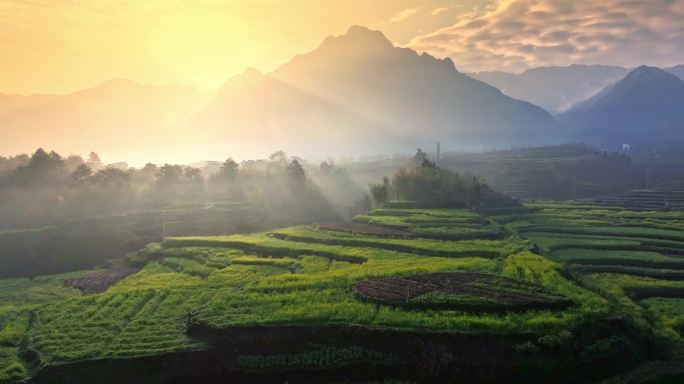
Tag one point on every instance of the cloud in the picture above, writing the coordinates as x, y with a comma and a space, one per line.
439, 10
517, 34
405, 14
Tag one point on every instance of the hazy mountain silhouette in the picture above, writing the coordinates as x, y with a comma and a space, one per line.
354, 94
644, 108
677, 70
554, 88
10, 103
115, 116
357, 93
255, 111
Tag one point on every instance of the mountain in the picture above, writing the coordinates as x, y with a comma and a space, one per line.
117, 117
10, 103
357, 93
677, 70
644, 108
554, 88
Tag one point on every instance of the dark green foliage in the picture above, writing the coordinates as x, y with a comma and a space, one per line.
380, 192
426, 182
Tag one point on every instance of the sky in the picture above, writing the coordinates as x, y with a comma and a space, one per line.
59, 46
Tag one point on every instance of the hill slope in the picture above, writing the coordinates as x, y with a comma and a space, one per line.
645, 108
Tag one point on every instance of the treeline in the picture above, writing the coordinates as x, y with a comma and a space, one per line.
60, 214
46, 188
423, 182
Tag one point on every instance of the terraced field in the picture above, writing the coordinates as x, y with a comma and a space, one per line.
636, 257
330, 297
438, 224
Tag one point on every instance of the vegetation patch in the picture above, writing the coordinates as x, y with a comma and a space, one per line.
363, 229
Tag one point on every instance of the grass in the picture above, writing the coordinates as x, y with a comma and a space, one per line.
668, 310
446, 224
610, 257
431, 247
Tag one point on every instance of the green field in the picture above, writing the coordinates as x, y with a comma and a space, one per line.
603, 266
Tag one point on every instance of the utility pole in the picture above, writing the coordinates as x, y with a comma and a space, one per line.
163, 216
438, 155
574, 188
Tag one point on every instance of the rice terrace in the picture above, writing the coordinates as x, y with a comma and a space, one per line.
588, 284
341, 192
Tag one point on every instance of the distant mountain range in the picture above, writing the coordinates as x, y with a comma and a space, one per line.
554, 88
117, 116
557, 89
677, 70
644, 108
355, 94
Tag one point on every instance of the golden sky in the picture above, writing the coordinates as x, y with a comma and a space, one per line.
59, 46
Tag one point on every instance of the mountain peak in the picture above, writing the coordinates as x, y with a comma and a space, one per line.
360, 37
251, 72
643, 75
643, 107
644, 70
360, 30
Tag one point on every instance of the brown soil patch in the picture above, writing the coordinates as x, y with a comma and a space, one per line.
460, 290
97, 282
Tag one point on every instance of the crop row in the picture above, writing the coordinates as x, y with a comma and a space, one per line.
430, 247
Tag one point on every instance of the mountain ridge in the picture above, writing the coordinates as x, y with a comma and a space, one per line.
554, 88
647, 97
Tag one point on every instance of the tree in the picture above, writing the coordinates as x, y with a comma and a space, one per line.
110, 177
169, 175
327, 167
229, 169
296, 172
73, 161
196, 182
148, 174
429, 183
94, 161
420, 157
193, 174
81, 174
278, 159
42, 168
380, 192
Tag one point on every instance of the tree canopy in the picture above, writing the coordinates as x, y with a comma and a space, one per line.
424, 181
